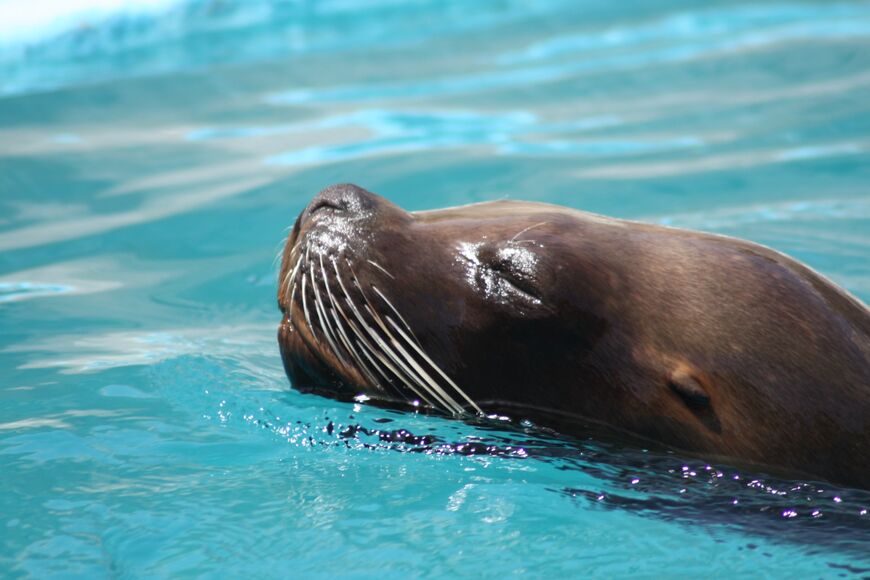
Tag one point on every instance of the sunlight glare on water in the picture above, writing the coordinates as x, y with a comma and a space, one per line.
152, 157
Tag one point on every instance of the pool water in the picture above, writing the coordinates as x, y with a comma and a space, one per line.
152, 159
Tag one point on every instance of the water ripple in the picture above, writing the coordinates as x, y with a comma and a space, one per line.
14, 291
711, 29
723, 161
145, 413
509, 133
786, 211
645, 44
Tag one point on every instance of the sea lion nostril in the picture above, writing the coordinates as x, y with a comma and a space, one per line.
327, 204
343, 197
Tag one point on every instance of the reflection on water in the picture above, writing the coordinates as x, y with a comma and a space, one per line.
153, 157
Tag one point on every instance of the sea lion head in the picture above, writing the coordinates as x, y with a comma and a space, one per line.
463, 309
700, 342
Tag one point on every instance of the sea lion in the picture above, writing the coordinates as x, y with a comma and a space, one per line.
702, 342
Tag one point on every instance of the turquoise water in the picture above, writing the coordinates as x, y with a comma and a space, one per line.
151, 160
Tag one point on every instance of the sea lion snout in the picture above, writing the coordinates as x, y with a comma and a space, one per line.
339, 218
344, 218
343, 201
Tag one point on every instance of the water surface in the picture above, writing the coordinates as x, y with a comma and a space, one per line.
151, 160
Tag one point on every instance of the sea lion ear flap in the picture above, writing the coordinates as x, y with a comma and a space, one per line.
689, 388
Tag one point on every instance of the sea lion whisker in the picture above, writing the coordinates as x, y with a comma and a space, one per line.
290, 303
284, 282
521, 232
364, 348
329, 322
381, 268
338, 307
433, 365
347, 297
383, 345
367, 346
291, 274
326, 284
297, 268
398, 374
403, 389
421, 375
405, 375
281, 249
393, 308
305, 306
408, 377
449, 401
377, 368
324, 319
348, 345
280, 253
